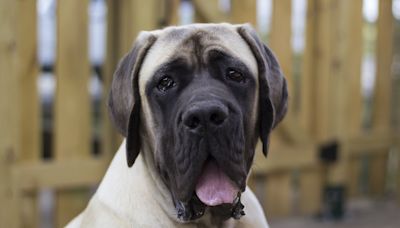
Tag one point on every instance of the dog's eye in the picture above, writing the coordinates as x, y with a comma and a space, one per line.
235, 75
165, 83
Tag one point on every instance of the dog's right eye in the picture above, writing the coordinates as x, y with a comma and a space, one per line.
165, 83
235, 75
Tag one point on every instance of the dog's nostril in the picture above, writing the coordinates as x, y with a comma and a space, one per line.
217, 118
193, 122
204, 116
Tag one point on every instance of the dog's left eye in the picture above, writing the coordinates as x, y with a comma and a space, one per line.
165, 83
235, 75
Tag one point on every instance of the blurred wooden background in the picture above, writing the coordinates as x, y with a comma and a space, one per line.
327, 108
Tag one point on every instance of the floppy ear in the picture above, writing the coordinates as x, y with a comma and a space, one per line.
273, 94
124, 100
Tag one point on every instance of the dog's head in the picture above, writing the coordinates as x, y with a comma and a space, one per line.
201, 95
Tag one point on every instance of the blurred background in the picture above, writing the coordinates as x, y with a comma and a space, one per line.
333, 162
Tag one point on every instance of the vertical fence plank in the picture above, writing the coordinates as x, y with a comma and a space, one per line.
322, 77
244, 11
72, 104
134, 16
310, 192
377, 174
319, 70
109, 138
382, 94
28, 71
280, 39
398, 171
278, 194
29, 117
355, 167
306, 107
381, 119
318, 80
346, 74
145, 16
8, 112
349, 99
172, 8
175, 19
124, 30
334, 75
332, 59
351, 56
207, 11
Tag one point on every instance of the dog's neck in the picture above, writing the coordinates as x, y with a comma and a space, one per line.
120, 182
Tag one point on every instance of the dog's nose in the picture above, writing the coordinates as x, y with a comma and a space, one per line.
205, 115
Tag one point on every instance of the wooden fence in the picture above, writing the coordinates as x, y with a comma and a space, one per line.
291, 181
330, 107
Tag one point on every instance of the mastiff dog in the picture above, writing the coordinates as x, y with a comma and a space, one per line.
192, 102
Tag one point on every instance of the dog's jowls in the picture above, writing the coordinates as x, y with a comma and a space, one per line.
193, 101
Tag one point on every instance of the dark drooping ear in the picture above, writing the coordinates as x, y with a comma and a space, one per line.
272, 85
124, 100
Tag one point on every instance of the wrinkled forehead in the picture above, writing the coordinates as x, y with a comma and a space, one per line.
194, 42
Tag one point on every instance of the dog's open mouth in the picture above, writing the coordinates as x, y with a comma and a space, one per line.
214, 187
217, 192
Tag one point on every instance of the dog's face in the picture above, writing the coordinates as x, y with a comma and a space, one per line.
201, 95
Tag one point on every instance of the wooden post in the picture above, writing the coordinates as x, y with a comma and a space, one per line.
330, 80
72, 103
333, 59
124, 29
397, 146
321, 63
145, 16
354, 176
384, 56
134, 17
9, 145
318, 82
346, 22
28, 71
377, 174
176, 19
280, 39
381, 119
306, 107
348, 102
278, 195
350, 105
310, 190
346, 95
323, 78
29, 117
244, 11
109, 136
172, 8
207, 11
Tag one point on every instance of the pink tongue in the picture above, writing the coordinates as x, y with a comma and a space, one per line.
214, 187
